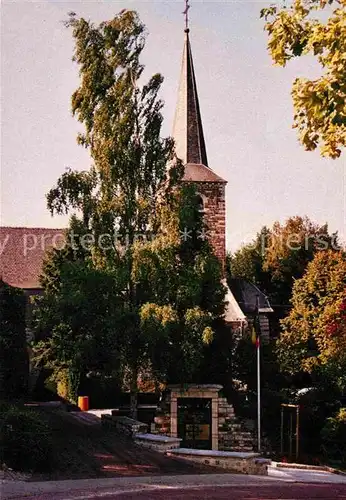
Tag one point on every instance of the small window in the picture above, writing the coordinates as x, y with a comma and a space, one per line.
200, 203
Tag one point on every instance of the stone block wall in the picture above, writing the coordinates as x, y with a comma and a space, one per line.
162, 424
124, 425
227, 432
213, 194
232, 437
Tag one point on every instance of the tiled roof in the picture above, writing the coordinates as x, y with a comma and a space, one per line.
22, 250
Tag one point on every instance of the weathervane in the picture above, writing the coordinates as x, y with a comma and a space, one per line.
186, 14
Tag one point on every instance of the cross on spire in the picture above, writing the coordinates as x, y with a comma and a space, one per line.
186, 14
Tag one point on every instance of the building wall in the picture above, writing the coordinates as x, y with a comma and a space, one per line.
213, 194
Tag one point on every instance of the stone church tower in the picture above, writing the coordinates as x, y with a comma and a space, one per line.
191, 149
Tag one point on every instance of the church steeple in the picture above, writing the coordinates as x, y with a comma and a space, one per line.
188, 129
190, 148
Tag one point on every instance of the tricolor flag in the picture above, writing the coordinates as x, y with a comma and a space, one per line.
255, 336
256, 330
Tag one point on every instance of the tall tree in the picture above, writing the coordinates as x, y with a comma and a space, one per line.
122, 121
77, 323
314, 335
291, 246
179, 282
138, 229
247, 262
316, 28
279, 255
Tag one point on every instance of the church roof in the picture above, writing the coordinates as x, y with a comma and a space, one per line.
22, 251
233, 313
188, 129
200, 173
246, 294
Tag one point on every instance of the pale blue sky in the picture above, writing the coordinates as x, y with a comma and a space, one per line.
245, 103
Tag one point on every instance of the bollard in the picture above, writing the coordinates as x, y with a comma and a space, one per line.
83, 403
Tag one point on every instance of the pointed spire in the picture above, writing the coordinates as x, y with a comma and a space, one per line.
188, 129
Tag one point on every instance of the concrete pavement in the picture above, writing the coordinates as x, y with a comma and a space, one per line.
306, 475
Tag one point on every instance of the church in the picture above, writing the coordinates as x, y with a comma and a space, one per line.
22, 249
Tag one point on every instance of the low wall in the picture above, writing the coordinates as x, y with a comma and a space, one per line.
156, 442
245, 463
125, 425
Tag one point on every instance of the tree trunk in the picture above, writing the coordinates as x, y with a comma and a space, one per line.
134, 394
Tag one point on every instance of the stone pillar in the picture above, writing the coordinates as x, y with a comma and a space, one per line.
174, 416
215, 423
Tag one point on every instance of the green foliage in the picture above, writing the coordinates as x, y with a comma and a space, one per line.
248, 262
179, 282
316, 406
273, 386
279, 255
334, 437
26, 443
14, 363
122, 120
316, 28
314, 336
76, 324
137, 295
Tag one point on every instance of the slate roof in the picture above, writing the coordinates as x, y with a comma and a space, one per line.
233, 313
188, 129
22, 251
200, 173
246, 293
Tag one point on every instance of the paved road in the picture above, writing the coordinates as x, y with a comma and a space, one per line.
288, 492
199, 487
265, 492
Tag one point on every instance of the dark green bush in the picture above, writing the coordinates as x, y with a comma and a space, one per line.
25, 440
14, 361
334, 437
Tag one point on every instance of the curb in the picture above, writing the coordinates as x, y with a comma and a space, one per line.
322, 468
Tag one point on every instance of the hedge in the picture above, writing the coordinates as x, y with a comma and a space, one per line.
25, 440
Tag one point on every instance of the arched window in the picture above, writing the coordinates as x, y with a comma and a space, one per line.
200, 203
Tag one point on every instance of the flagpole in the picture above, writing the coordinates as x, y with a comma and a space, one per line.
258, 346
259, 395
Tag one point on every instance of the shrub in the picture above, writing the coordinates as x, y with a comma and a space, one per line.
14, 361
26, 443
334, 437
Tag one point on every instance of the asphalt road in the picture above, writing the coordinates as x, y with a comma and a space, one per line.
288, 484
288, 492
275, 491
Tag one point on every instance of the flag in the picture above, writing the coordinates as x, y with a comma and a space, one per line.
255, 338
253, 335
256, 329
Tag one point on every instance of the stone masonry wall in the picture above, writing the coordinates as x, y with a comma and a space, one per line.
231, 435
213, 194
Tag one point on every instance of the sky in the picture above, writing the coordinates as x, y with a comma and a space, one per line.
245, 103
